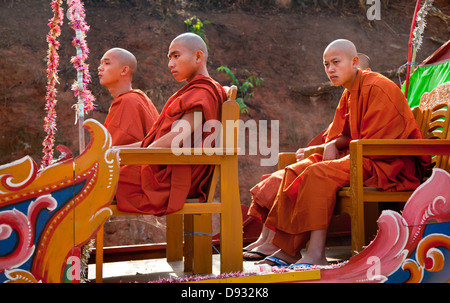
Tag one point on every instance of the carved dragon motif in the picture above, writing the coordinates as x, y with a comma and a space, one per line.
45, 214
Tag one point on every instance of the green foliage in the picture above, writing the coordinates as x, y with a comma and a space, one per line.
195, 25
245, 89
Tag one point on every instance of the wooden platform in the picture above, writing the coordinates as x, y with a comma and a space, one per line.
143, 271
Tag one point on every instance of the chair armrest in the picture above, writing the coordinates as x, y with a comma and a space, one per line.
286, 158
400, 147
211, 156
388, 147
313, 150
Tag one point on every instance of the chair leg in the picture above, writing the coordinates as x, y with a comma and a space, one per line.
371, 215
99, 256
188, 243
174, 237
357, 228
202, 244
198, 243
231, 220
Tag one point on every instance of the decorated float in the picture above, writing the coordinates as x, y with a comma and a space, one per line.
49, 215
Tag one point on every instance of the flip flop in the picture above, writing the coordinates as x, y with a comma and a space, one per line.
260, 254
278, 262
300, 265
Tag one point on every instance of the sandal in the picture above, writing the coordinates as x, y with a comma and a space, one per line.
278, 262
300, 265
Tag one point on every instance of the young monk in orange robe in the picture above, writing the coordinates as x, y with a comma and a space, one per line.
262, 246
131, 114
300, 209
163, 189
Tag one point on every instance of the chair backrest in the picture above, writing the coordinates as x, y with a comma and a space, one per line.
433, 117
230, 112
229, 120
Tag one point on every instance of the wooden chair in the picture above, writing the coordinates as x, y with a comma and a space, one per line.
198, 216
433, 118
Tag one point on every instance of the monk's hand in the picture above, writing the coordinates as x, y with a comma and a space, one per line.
300, 154
308, 151
330, 151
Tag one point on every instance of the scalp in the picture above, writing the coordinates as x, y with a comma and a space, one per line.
193, 42
125, 57
343, 46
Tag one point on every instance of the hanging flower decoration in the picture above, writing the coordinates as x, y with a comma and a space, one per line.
77, 17
52, 78
421, 24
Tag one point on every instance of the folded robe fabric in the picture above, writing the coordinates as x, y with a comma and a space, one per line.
162, 189
130, 117
301, 198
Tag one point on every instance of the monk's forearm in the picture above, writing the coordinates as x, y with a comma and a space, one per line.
131, 145
164, 141
342, 142
331, 148
181, 131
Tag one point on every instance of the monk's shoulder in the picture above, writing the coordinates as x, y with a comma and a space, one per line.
198, 94
383, 92
372, 80
134, 101
134, 97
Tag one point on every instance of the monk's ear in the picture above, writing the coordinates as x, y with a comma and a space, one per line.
125, 70
199, 56
355, 61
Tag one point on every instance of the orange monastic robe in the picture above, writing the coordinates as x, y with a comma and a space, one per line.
301, 198
163, 189
130, 117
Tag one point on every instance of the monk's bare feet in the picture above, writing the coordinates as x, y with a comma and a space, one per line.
315, 254
282, 255
255, 244
265, 236
262, 246
313, 259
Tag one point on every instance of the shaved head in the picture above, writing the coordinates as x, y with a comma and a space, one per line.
125, 58
116, 70
188, 55
343, 46
341, 62
192, 42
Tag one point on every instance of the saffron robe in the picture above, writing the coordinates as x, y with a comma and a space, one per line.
301, 197
162, 189
130, 117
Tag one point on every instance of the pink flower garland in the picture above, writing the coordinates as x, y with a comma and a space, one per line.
77, 16
52, 78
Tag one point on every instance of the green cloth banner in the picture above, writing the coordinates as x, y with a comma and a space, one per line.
425, 79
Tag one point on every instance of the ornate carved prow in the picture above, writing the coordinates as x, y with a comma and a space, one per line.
54, 210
